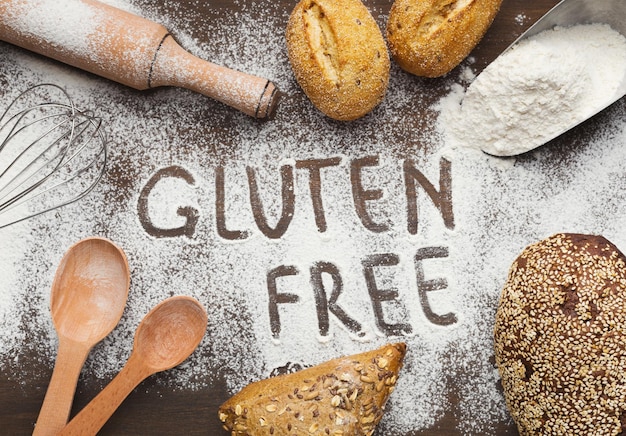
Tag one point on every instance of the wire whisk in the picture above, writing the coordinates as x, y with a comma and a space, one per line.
51, 153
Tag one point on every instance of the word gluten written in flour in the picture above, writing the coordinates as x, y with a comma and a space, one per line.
326, 281
414, 181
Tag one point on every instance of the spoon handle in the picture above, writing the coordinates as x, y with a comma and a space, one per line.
95, 414
57, 403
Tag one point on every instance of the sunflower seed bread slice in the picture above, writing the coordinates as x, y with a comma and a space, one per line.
344, 396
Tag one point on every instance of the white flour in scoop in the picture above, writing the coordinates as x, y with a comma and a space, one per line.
499, 208
540, 87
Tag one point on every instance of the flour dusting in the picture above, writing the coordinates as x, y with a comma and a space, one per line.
415, 231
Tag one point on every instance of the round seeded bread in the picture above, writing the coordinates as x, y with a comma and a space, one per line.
344, 396
339, 56
560, 337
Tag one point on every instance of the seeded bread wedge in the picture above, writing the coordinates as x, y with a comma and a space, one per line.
344, 396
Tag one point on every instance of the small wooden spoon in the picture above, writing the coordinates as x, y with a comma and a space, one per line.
88, 297
166, 336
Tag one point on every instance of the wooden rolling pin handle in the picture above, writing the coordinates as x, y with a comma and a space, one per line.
131, 50
174, 66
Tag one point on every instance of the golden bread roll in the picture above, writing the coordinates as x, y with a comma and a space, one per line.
560, 337
339, 56
431, 37
344, 396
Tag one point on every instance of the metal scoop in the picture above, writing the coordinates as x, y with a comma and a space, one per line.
568, 13
571, 12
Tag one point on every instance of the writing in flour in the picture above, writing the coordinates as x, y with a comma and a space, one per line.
326, 283
326, 303
362, 196
493, 221
541, 87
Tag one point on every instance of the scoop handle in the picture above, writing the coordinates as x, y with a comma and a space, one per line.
57, 403
94, 415
127, 49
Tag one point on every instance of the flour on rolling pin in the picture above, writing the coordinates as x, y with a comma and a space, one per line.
128, 49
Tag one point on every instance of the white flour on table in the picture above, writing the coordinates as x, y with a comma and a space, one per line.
500, 206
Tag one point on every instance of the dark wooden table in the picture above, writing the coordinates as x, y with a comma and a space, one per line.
151, 409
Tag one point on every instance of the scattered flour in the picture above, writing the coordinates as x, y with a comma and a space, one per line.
521, 18
542, 86
582, 191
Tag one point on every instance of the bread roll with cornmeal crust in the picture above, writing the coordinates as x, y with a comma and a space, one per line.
431, 37
560, 337
339, 56
344, 396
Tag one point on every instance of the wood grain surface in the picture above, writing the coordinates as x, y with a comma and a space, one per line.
152, 409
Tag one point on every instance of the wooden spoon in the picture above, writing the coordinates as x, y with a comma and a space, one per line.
166, 336
88, 297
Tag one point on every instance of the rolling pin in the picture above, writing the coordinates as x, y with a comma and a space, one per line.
127, 49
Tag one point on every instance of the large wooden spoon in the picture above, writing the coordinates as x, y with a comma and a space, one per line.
166, 336
88, 297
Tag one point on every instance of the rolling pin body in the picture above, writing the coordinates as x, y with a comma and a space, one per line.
127, 49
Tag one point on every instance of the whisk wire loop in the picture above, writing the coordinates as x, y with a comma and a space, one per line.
51, 154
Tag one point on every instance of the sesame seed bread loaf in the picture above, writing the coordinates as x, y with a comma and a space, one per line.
339, 56
344, 396
431, 37
560, 337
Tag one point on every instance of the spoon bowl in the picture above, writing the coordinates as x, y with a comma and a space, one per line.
170, 332
90, 290
166, 336
88, 297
